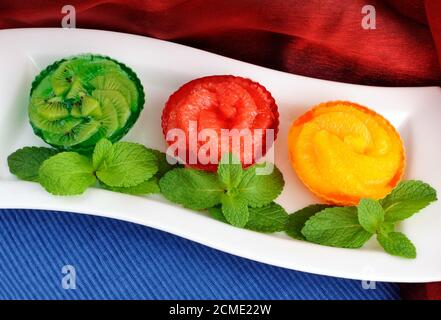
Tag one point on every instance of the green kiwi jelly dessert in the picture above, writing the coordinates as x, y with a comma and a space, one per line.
77, 101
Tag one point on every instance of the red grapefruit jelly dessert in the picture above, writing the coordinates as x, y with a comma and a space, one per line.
217, 114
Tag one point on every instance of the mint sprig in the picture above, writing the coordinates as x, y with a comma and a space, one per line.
351, 227
267, 219
122, 167
235, 189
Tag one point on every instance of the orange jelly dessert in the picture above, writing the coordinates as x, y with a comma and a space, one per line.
344, 152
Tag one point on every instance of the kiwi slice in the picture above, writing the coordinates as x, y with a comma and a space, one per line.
96, 68
90, 107
51, 108
59, 126
116, 101
79, 100
114, 81
76, 112
77, 134
63, 77
109, 119
76, 89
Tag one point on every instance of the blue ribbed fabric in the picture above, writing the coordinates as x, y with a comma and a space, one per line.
120, 260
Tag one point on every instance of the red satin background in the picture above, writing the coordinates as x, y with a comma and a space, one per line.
316, 38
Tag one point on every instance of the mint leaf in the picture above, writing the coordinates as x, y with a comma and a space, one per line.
386, 227
270, 218
235, 210
260, 190
406, 199
192, 188
101, 152
297, 220
25, 162
230, 170
145, 187
370, 215
67, 173
336, 227
216, 212
163, 165
397, 244
126, 165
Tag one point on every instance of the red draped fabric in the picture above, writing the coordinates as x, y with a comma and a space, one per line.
316, 38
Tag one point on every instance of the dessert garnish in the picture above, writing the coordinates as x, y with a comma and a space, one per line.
125, 167
353, 226
238, 192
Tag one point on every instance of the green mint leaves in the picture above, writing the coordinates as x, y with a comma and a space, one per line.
235, 210
230, 170
268, 219
194, 189
336, 227
25, 162
124, 164
146, 187
67, 173
397, 244
240, 197
163, 165
297, 220
234, 189
351, 227
259, 190
370, 215
406, 199
100, 153
122, 167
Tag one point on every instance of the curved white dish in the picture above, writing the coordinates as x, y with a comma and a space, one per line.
162, 68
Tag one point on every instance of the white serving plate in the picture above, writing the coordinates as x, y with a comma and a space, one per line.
163, 67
